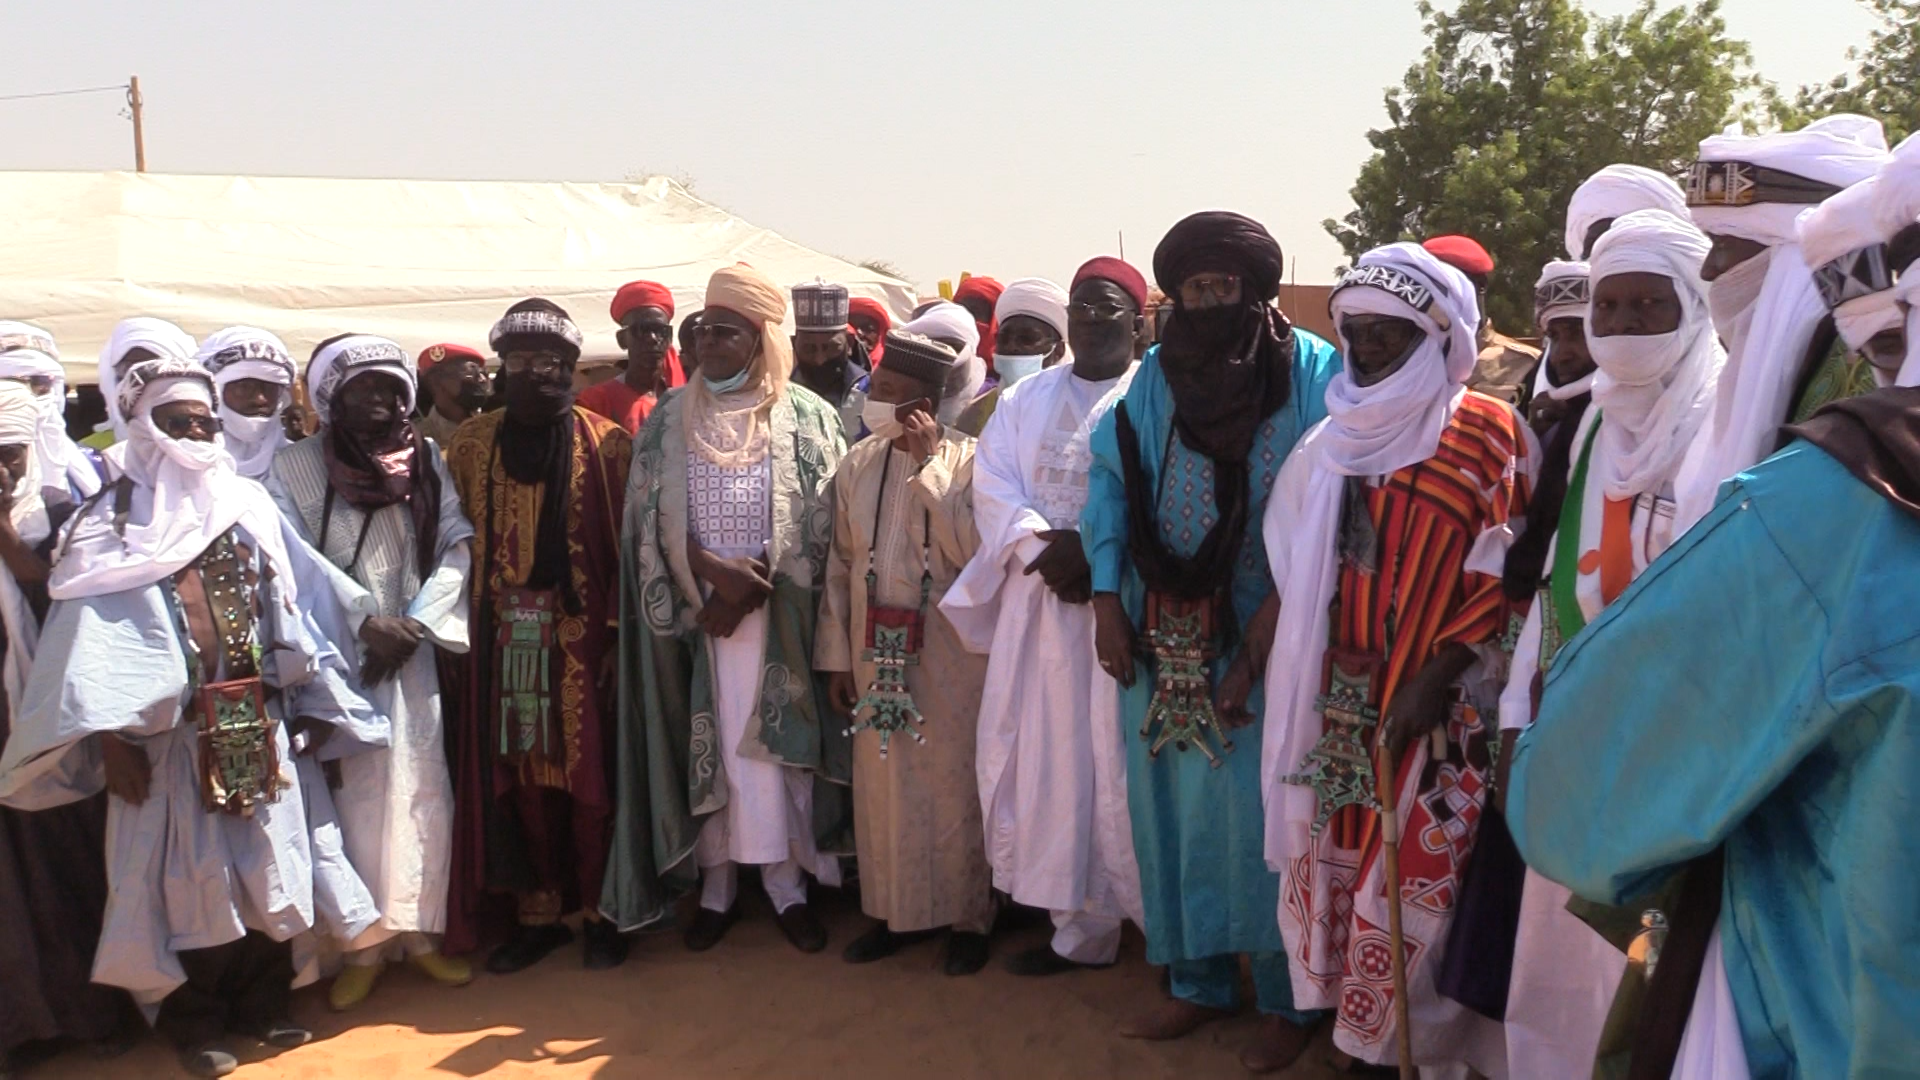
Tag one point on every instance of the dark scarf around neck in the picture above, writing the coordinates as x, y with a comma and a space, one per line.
531, 454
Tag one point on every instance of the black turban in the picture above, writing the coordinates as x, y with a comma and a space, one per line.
1223, 241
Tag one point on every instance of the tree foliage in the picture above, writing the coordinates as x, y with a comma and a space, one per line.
1885, 82
1515, 102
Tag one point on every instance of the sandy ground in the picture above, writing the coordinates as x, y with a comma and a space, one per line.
750, 1007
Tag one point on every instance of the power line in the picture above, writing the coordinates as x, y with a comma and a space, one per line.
65, 93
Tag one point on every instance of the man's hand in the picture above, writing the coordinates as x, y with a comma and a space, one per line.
317, 733
1230, 699
1423, 701
1063, 566
129, 773
1546, 412
720, 619
1113, 637
8, 482
741, 582
390, 642
842, 694
922, 435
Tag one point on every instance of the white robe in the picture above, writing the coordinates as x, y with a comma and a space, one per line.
180, 877
1050, 762
395, 806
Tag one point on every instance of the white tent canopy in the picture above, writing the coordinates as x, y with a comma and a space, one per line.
418, 261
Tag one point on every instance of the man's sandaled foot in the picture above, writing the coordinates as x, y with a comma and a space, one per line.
878, 943
1042, 960
281, 1034
708, 927
1276, 1044
1171, 1019
209, 1059
605, 947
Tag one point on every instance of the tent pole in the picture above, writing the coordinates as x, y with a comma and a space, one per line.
134, 104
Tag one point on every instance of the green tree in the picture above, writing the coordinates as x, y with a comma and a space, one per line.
1885, 82
1515, 102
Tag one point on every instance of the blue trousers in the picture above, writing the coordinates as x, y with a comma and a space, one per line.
1215, 983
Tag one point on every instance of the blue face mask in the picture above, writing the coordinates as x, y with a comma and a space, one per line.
728, 386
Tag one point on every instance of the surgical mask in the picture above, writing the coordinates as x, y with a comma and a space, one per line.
728, 385
1014, 368
880, 420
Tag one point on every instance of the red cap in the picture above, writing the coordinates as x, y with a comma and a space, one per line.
979, 286
872, 309
434, 354
1463, 253
1120, 272
636, 294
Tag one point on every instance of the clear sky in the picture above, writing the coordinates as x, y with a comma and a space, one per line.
1006, 137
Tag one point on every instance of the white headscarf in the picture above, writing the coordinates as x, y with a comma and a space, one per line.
244, 352
1768, 336
19, 335
158, 336
1561, 293
342, 361
20, 424
55, 454
1898, 205
189, 491
1369, 431
1615, 192
949, 321
1833, 236
1654, 390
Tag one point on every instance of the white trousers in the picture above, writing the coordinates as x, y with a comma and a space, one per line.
1086, 939
720, 885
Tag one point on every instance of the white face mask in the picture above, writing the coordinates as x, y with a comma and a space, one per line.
248, 430
879, 419
1014, 368
1731, 296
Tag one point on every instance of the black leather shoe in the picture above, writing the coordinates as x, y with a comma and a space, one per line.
1042, 960
208, 1059
606, 947
528, 946
708, 927
802, 928
878, 943
966, 953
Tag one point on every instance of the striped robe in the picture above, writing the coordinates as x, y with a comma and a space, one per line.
1441, 525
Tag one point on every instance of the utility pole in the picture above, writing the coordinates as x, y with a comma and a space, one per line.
134, 103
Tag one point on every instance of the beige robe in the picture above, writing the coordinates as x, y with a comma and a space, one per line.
923, 857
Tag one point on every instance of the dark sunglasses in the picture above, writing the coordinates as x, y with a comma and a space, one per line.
179, 427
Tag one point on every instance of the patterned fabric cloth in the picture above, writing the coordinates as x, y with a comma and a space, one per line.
505, 515
1841, 375
732, 513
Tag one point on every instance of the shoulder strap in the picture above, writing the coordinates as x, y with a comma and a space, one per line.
1566, 551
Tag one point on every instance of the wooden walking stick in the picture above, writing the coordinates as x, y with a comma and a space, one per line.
1385, 784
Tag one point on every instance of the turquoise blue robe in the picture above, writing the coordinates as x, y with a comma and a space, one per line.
1756, 687
1198, 831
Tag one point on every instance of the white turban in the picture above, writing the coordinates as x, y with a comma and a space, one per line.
949, 321
186, 495
1839, 150
1898, 205
1654, 391
1615, 192
1036, 298
56, 455
244, 352
1377, 429
1561, 293
19, 335
19, 415
157, 336
353, 356
1842, 241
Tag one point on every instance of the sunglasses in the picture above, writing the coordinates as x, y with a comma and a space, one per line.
179, 427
